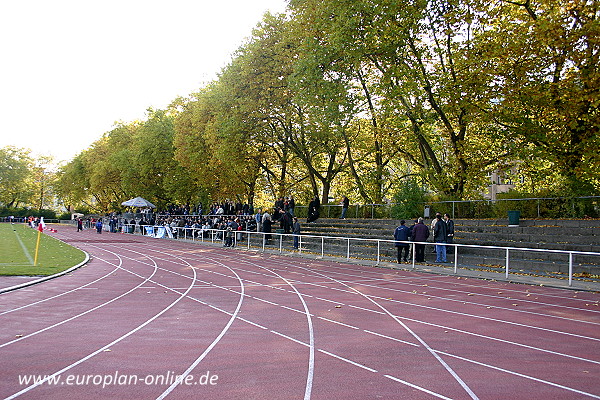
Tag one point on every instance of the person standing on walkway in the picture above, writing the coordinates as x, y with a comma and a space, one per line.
79, 224
296, 232
345, 204
450, 233
402, 235
420, 233
99, 225
440, 236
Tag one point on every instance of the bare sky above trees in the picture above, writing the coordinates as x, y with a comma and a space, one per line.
71, 68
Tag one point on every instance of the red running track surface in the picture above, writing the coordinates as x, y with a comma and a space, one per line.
239, 324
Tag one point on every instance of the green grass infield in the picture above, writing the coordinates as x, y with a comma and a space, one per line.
17, 252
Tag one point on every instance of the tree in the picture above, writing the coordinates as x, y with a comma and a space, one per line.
547, 79
410, 59
16, 177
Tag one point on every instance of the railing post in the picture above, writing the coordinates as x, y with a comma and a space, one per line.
322, 247
348, 249
507, 263
249, 234
280, 242
378, 247
570, 268
455, 259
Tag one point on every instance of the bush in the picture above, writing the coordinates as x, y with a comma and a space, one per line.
65, 216
408, 201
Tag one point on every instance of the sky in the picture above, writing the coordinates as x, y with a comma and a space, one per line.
70, 69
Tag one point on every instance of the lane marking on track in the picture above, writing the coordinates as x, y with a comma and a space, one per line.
446, 327
252, 323
290, 338
489, 305
449, 369
264, 301
100, 350
391, 338
521, 375
348, 361
59, 295
466, 359
466, 314
418, 387
462, 292
311, 355
73, 317
476, 334
338, 323
234, 315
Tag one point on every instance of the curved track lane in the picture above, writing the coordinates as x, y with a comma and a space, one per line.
165, 319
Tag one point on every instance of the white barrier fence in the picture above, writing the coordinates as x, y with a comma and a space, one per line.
383, 250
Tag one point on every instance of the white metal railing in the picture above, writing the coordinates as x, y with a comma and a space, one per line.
318, 244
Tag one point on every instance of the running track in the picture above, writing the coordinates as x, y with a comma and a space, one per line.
266, 326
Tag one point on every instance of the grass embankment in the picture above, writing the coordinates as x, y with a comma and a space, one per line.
17, 252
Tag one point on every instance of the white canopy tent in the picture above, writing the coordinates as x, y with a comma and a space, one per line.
138, 202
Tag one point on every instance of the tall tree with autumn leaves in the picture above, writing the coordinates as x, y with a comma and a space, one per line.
356, 95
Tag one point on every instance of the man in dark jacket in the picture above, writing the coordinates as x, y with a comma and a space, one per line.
420, 233
313, 209
296, 232
402, 234
450, 233
440, 236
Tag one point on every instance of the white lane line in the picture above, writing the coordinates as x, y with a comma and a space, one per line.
391, 338
401, 282
311, 356
521, 375
396, 379
61, 294
418, 387
348, 361
77, 315
252, 323
457, 300
448, 328
181, 377
501, 340
100, 350
465, 314
419, 339
338, 323
264, 301
365, 309
290, 338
